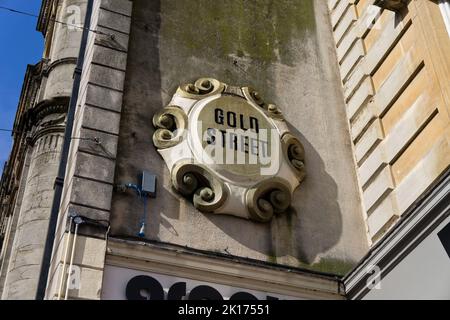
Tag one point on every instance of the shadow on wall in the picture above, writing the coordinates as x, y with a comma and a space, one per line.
320, 226
312, 225
140, 100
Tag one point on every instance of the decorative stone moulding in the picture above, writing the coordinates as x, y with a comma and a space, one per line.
48, 116
229, 151
393, 5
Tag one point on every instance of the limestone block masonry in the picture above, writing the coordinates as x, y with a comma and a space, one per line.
45, 118
90, 170
395, 73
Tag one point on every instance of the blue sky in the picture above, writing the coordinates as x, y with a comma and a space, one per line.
21, 44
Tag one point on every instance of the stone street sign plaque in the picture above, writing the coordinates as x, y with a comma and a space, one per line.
228, 151
231, 134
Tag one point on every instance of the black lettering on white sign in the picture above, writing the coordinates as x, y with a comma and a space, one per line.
148, 288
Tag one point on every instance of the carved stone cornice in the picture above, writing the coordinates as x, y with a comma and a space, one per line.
46, 107
51, 66
214, 267
47, 117
393, 5
44, 16
30, 89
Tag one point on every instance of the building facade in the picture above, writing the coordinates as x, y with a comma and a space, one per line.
107, 193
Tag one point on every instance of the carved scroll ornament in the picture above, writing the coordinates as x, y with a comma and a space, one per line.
207, 118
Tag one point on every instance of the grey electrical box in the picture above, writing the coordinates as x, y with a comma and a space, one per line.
148, 184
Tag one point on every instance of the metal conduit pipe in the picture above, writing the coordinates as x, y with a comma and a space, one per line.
66, 252
77, 221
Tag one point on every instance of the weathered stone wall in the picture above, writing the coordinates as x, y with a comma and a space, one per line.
45, 125
65, 45
31, 231
12, 222
395, 74
285, 50
91, 161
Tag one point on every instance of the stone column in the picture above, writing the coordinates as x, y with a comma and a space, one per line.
46, 124
26, 256
12, 221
